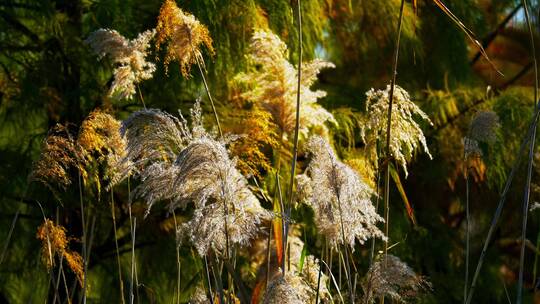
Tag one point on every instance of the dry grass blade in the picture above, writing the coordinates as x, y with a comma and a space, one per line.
470, 34
403, 194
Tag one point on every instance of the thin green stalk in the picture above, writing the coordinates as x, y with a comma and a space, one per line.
178, 264
530, 162
217, 282
268, 256
90, 241
85, 262
377, 200
65, 286
348, 274
535, 267
296, 126
283, 224
132, 226
51, 256
133, 257
141, 97
209, 96
225, 223
10, 233
117, 250
57, 282
319, 278
388, 128
13, 223
532, 126
467, 233
209, 284
506, 292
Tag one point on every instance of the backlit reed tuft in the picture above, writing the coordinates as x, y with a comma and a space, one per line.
54, 244
482, 129
205, 175
100, 138
390, 277
183, 35
298, 286
59, 155
272, 84
406, 134
183, 164
338, 196
128, 56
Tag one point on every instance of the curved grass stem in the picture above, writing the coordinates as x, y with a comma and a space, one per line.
116, 247
527, 190
532, 127
389, 128
296, 128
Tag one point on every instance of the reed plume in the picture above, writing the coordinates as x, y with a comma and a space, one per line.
54, 243
390, 277
298, 286
183, 34
154, 139
272, 84
206, 176
183, 164
482, 129
405, 135
100, 138
338, 196
60, 154
128, 56
199, 297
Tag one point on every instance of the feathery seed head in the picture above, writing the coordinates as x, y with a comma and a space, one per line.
184, 164
55, 243
59, 154
154, 136
273, 85
207, 177
338, 196
129, 57
298, 286
392, 278
484, 126
471, 147
100, 138
286, 290
199, 296
406, 134
184, 35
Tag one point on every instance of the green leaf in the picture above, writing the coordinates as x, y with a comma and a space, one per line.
302, 258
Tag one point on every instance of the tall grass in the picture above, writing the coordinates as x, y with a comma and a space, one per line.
192, 170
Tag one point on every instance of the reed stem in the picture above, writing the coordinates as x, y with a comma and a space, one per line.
389, 129
296, 128
527, 190
116, 247
85, 262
